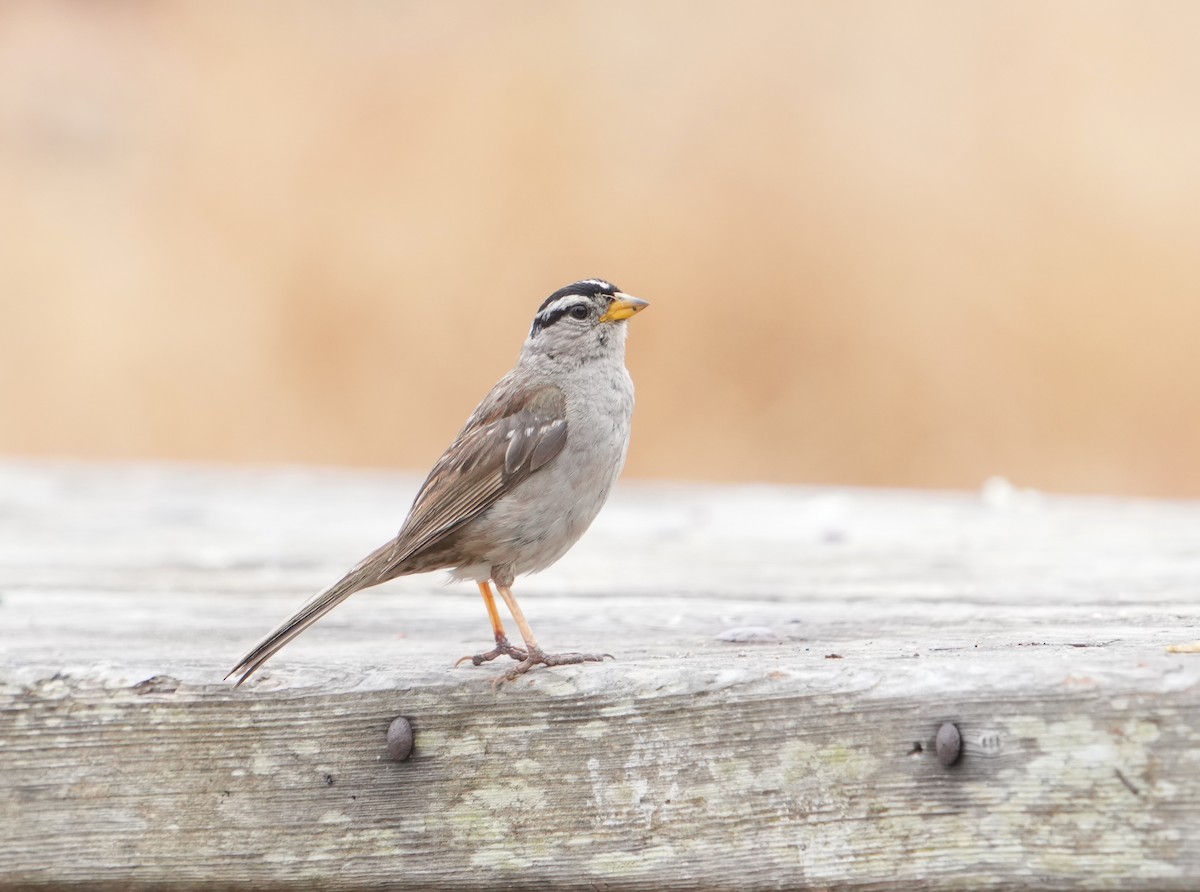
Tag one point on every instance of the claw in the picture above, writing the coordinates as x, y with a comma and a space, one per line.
502, 648
538, 657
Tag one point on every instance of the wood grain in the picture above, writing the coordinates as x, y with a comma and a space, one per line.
785, 659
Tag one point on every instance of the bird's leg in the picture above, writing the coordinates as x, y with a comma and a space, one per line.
537, 656
502, 645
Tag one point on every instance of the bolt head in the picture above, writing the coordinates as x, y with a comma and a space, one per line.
948, 744
400, 739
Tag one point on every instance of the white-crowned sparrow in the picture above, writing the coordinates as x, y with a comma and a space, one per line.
523, 479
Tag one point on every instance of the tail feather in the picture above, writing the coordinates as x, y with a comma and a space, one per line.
377, 567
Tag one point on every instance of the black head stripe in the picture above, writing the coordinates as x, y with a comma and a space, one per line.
555, 307
584, 288
552, 313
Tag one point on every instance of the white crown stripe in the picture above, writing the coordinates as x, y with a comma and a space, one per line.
562, 303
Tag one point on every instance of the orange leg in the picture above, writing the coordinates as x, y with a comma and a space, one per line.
502, 645
519, 615
537, 657
489, 600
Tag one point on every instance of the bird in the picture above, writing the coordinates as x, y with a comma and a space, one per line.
523, 480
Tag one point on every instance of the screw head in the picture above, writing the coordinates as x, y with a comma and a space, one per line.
948, 744
400, 739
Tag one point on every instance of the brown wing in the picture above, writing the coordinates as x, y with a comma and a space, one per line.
505, 441
510, 436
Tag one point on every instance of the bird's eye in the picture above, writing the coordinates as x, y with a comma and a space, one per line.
579, 311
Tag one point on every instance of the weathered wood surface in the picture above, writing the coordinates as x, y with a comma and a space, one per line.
1039, 625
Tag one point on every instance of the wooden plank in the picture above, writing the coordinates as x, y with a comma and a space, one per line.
785, 658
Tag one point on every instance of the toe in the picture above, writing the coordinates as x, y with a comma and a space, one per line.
502, 648
537, 657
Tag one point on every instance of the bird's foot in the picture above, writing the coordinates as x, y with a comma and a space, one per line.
502, 648
538, 657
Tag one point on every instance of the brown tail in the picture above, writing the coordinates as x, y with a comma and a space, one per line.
379, 566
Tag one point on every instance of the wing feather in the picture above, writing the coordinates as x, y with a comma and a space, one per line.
500, 446
512, 434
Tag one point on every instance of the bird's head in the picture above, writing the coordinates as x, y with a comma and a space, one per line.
583, 320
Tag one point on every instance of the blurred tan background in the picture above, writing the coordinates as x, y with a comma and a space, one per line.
907, 244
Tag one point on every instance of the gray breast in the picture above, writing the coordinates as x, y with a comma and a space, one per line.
538, 522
